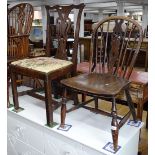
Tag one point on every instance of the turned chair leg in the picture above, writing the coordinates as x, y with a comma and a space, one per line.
114, 125
63, 109
130, 104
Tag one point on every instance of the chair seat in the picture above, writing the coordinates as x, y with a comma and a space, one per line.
138, 86
42, 64
95, 83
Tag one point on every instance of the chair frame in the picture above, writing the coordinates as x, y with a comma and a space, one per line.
47, 78
113, 66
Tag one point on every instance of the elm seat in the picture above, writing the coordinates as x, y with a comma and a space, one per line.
97, 83
42, 64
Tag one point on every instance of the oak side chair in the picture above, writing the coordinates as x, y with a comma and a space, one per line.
49, 68
110, 66
19, 24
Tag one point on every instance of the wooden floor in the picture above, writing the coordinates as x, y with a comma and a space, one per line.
122, 109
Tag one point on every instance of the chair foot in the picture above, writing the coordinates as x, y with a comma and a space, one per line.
63, 109
63, 115
114, 131
114, 125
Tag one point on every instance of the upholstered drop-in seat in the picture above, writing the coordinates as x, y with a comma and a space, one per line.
42, 64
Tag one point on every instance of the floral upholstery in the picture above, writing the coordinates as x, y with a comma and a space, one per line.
42, 64
38, 52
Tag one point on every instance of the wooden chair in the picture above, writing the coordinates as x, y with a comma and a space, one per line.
111, 64
49, 68
20, 19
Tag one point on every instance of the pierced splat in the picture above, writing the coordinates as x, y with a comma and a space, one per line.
63, 28
20, 19
118, 26
114, 53
19, 16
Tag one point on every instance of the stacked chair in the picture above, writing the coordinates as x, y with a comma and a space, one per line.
20, 19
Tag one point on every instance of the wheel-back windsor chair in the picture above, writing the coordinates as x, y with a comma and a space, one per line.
111, 64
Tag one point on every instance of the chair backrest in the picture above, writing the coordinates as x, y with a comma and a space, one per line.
60, 29
115, 45
20, 19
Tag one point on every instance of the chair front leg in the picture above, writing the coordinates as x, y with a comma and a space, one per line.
63, 109
130, 104
114, 125
14, 91
48, 102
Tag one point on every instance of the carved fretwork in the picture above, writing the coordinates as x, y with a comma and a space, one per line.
63, 27
20, 19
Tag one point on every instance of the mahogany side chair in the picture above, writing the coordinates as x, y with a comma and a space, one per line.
110, 66
19, 24
50, 68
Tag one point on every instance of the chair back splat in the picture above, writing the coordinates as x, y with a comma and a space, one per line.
20, 19
111, 50
61, 31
